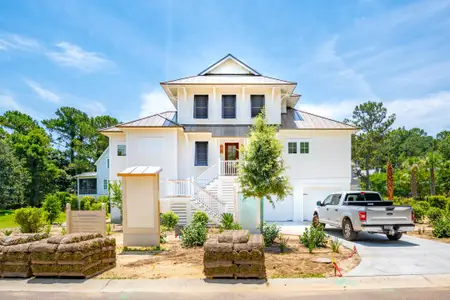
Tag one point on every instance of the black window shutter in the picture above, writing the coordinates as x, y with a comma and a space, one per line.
201, 107
229, 106
201, 153
257, 102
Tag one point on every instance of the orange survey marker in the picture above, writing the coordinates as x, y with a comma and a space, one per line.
353, 252
336, 269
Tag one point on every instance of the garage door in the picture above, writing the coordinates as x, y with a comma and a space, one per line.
283, 211
310, 197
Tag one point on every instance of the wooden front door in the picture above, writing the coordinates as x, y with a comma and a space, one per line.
231, 151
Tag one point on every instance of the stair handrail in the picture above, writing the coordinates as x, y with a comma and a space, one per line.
207, 176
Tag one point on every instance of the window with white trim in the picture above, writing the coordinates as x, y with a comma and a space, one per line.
107, 163
121, 150
201, 154
292, 147
105, 184
228, 106
304, 147
201, 107
257, 104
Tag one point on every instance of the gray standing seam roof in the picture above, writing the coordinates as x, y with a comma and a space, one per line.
298, 119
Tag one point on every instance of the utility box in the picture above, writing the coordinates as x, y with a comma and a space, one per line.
140, 206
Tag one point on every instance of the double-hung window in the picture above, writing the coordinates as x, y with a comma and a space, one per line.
304, 147
292, 147
228, 106
121, 150
201, 107
201, 153
257, 103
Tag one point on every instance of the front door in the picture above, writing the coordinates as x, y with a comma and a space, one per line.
231, 158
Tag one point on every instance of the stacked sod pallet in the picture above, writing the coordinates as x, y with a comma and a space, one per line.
74, 255
234, 254
15, 254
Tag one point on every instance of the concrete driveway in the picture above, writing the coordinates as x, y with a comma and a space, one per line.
379, 256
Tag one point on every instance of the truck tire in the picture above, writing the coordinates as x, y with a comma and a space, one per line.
394, 237
316, 223
347, 230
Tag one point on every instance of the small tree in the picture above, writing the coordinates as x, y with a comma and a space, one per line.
261, 172
51, 207
390, 181
115, 188
432, 159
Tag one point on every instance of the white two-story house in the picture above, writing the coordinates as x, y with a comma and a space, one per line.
197, 144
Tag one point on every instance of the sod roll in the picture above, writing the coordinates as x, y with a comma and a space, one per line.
22, 238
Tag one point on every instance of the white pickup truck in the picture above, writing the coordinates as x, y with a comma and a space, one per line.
356, 211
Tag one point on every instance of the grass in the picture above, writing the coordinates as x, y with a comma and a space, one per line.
298, 276
7, 219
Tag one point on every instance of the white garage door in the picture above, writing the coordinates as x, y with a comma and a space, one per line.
310, 197
283, 211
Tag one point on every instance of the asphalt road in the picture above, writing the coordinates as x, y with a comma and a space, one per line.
391, 294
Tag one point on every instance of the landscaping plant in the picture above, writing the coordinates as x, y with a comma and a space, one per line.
314, 237
115, 189
63, 231
108, 229
200, 217
419, 213
169, 220
438, 201
270, 233
48, 229
335, 245
434, 214
7, 232
51, 207
283, 242
441, 227
29, 219
227, 222
194, 234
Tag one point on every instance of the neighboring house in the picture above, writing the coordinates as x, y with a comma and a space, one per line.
197, 145
95, 183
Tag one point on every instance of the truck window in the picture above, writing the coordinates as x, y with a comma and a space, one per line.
327, 200
335, 199
363, 197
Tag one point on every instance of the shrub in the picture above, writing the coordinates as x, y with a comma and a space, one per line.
227, 222
194, 234
434, 214
419, 213
270, 233
63, 231
423, 204
29, 219
51, 207
115, 189
169, 220
438, 201
283, 242
86, 202
200, 217
335, 245
403, 201
48, 229
314, 237
64, 198
103, 199
8, 232
441, 228
108, 229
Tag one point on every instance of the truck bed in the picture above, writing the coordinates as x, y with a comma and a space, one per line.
368, 203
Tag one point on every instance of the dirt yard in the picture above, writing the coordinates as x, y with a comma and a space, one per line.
177, 262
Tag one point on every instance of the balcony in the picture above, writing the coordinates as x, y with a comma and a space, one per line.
228, 167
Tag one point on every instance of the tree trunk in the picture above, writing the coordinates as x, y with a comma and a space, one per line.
390, 181
261, 214
367, 174
432, 182
414, 184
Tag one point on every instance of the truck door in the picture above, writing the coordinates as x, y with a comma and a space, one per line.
324, 210
333, 210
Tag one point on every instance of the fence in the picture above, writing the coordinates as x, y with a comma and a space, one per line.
86, 220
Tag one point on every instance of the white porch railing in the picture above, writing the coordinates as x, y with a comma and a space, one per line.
228, 167
207, 176
180, 188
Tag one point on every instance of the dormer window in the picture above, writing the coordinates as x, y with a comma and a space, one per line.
228, 106
257, 102
201, 107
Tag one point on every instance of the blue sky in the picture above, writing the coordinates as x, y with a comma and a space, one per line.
108, 57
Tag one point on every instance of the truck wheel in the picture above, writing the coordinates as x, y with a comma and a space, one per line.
316, 223
395, 237
347, 230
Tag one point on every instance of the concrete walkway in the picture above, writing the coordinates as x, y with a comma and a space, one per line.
199, 286
379, 256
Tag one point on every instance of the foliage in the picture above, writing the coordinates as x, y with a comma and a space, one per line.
48, 229
433, 160
261, 172
169, 220
412, 165
378, 183
283, 242
424, 205
270, 232
227, 222
29, 219
403, 201
419, 213
374, 122
194, 234
200, 217
434, 214
438, 201
103, 199
51, 208
314, 237
441, 228
390, 181
108, 229
63, 231
115, 188
66, 197
335, 245
8, 232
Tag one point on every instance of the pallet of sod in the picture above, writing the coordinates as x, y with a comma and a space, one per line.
249, 258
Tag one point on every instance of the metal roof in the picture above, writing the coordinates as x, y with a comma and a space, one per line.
140, 171
86, 175
219, 130
228, 79
236, 60
298, 119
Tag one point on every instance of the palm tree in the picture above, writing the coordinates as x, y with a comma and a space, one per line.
412, 164
432, 159
390, 180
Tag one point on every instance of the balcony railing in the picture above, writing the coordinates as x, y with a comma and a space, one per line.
228, 167
87, 191
180, 188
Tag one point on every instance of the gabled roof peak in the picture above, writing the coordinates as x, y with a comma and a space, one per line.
229, 65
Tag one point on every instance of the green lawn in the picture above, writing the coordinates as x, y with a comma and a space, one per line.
7, 220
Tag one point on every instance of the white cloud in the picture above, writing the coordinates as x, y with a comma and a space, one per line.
18, 42
429, 112
74, 56
154, 102
93, 108
7, 102
43, 93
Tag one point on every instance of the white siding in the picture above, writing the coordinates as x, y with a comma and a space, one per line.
102, 172
116, 163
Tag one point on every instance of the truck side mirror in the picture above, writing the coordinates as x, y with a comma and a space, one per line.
319, 203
